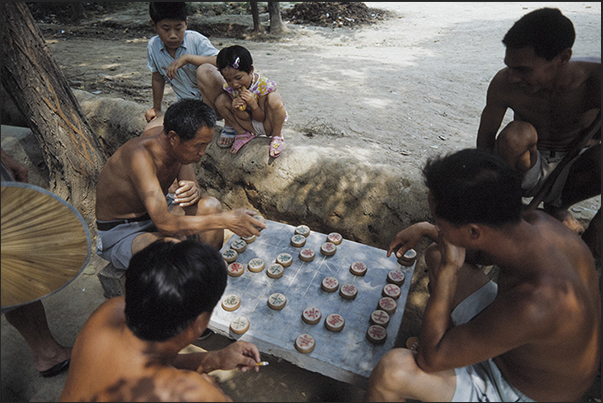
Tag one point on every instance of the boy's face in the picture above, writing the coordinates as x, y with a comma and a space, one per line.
171, 32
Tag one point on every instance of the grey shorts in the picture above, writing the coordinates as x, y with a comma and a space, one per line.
481, 382
534, 178
115, 245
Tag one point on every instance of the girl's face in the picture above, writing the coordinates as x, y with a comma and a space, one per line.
236, 78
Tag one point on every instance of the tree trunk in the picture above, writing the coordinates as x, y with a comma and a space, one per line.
255, 13
277, 26
32, 78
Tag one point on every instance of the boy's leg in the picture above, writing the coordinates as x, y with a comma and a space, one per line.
396, 377
210, 82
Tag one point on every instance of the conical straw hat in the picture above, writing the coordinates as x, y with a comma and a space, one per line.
45, 243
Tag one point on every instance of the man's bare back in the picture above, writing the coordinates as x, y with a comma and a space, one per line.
557, 294
113, 365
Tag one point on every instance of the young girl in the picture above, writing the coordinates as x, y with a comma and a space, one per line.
250, 101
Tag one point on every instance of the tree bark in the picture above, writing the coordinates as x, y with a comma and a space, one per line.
32, 78
255, 13
277, 26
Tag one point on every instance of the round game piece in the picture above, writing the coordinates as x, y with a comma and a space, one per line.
358, 269
334, 322
379, 317
409, 258
255, 265
388, 305
396, 277
230, 255
328, 249
249, 239
277, 301
298, 240
412, 343
231, 302
307, 254
335, 238
376, 334
329, 284
391, 290
284, 259
305, 343
239, 325
239, 245
275, 270
348, 291
261, 219
235, 269
311, 315
302, 230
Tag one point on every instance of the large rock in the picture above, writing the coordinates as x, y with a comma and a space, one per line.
330, 186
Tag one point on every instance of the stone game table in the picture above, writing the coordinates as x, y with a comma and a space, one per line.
347, 355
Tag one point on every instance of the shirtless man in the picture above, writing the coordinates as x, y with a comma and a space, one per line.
132, 209
535, 334
128, 350
554, 99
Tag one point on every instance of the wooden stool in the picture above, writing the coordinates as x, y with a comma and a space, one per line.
113, 281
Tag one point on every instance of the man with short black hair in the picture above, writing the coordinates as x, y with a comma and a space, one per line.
535, 334
128, 350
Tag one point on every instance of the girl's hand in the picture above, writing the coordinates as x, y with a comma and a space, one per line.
248, 97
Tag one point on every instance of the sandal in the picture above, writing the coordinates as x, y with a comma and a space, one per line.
277, 145
240, 141
227, 133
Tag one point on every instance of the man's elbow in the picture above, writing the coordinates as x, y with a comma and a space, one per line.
429, 362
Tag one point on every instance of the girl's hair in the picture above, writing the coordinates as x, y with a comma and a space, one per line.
168, 285
236, 57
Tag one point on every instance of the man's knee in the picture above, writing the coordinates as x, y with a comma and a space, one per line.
209, 205
394, 373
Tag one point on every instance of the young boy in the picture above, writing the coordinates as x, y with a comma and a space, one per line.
183, 58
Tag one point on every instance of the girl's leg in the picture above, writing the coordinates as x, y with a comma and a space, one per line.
275, 119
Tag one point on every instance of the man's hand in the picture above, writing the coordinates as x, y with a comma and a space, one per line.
451, 257
241, 355
242, 223
187, 193
409, 238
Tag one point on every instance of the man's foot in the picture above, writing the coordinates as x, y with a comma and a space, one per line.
52, 367
227, 137
57, 369
568, 220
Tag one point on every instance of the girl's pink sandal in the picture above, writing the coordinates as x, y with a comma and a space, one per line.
277, 145
240, 141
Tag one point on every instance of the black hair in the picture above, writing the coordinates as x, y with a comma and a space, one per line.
546, 30
167, 11
186, 116
474, 186
236, 57
169, 284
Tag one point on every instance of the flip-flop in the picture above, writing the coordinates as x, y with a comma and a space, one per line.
277, 145
240, 141
57, 369
227, 133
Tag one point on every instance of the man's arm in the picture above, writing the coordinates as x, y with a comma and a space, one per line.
240, 354
517, 318
158, 86
188, 191
493, 113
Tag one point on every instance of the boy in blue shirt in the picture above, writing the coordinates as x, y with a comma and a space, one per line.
183, 58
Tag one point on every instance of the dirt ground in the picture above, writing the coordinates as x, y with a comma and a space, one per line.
405, 81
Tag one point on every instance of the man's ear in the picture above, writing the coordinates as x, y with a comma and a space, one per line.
173, 138
565, 55
475, 232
